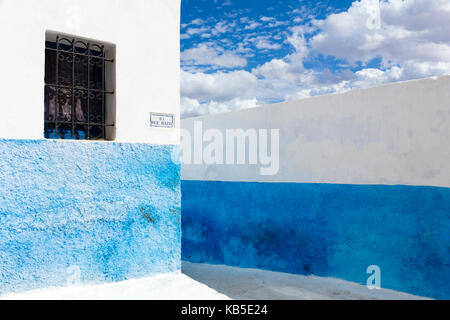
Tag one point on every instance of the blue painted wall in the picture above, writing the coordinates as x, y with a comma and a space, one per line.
325, 230
113, 210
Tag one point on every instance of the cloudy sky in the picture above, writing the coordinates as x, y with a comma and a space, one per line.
238, 54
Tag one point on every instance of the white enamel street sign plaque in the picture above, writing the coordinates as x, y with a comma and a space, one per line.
162, 120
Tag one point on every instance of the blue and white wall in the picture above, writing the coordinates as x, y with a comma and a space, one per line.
81, 210
364, 179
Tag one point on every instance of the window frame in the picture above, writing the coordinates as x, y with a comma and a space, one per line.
71, 48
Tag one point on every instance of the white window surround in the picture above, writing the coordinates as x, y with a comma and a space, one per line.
146, 35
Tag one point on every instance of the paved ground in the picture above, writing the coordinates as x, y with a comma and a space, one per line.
206, 282
257, 284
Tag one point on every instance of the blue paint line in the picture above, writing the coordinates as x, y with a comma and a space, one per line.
110, 209
323, 229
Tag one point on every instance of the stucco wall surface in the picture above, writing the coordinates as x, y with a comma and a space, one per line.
146, 34
392, 134
108, 210
327, 230
363, 180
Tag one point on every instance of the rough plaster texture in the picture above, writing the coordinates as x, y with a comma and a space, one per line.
349, 192
112, 210
325, 230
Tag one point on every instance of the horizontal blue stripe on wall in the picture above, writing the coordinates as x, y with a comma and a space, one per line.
323, 229
86, 211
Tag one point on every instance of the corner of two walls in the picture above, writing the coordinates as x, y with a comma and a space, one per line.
82, 211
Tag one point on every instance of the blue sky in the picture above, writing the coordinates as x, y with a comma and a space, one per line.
277, 17
238, 54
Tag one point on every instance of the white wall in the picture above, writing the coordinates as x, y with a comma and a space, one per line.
393, 134
146, 33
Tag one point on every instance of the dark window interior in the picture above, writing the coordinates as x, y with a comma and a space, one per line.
75, 94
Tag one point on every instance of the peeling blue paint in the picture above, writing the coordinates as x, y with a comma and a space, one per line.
325, 230
110, 209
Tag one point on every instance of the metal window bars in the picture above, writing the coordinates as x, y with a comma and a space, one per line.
75, 90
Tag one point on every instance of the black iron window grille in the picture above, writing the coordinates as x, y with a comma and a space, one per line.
75, 90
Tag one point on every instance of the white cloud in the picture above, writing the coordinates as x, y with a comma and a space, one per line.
193, 22
405, 40
290, 68
430, 19
193, 108
197, 21
222, 27
266, 19
360, 79
193, 31
244, 19
408, 30
219, 86
252, 25
208, 54
410, 37
266, 44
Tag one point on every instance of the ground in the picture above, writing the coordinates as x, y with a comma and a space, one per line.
207, 282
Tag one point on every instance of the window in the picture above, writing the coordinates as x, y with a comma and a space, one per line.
79, 89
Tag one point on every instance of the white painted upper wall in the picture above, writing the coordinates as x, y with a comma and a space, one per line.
146, 35
393, 134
